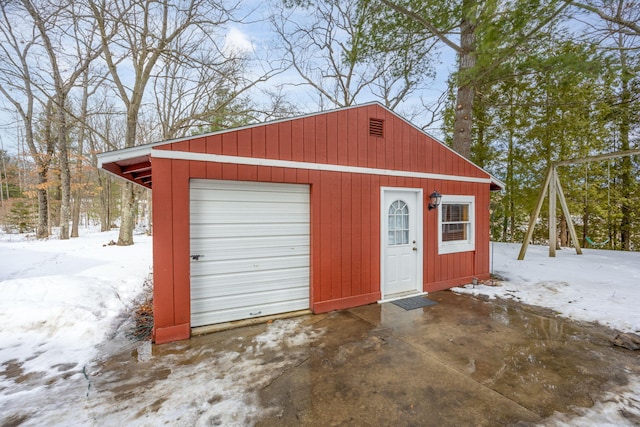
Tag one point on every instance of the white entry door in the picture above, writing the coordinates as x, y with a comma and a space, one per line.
401, 247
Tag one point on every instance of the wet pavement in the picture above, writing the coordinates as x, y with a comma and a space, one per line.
461, 362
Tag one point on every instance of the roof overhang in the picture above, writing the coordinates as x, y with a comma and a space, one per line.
496, 184
132, 164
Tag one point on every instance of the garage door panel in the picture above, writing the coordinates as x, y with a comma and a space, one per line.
250, 300
220, 254
214, 268
206, 231
229, 249
248, 216
247, 186
254, 243
235, 284
201, 195
211, 317
251, 241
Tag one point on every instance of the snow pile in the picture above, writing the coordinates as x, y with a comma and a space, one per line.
59, 298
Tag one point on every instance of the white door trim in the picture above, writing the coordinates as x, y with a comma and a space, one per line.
417, 192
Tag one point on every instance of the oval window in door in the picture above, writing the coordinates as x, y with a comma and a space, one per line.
398, 223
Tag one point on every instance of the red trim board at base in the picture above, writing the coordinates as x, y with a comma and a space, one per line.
172, 333
446, 284
343, 303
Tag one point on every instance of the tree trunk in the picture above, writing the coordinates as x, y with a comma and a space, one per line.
78, 192
626, 178
105, 201
42, 231
466, 88
128, 216
125, 236
564, 232
65, 172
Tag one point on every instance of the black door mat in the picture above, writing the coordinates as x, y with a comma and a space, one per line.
413, 302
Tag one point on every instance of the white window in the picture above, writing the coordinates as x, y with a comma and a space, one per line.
398, 223
456, 224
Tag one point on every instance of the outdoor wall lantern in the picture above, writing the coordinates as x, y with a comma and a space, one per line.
434, 199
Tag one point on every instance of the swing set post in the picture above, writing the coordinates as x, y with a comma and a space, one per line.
553, 187
535, 215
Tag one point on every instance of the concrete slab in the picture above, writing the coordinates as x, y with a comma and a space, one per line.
461, 362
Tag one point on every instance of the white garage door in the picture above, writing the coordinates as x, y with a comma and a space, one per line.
249, 249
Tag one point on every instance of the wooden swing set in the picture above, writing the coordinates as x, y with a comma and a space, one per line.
552, 187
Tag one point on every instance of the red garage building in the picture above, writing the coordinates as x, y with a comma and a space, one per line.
321, 212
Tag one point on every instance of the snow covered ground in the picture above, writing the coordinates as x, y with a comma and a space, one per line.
60, 301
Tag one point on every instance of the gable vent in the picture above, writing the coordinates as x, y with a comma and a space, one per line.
376, 128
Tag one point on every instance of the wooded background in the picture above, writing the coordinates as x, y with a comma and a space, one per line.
533, 82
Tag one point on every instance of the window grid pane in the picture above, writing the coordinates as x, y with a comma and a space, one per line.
455, 222
398, 223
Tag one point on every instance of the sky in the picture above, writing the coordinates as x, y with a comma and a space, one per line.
254, 36
62, 303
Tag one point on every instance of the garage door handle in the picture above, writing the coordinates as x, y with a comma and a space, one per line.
196, 257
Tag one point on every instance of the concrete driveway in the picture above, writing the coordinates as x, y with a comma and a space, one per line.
461, 362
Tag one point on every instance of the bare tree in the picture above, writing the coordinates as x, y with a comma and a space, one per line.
331, 50
55, 24
106, 125
623, 14
137, 37
202, 86
17, 85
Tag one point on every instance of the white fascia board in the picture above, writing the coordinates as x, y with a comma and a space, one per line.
125, 153
254, 161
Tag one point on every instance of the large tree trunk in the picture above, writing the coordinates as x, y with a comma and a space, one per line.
466, 88
626, 178
128, 215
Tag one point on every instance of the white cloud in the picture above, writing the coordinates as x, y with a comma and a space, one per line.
236, 41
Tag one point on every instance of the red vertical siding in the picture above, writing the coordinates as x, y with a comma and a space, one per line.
325, 275
297, 140
367, 230
332, 138
346, 235
334, 233
258, 142
342, 138
180, 217
284, 141
162, 244
320, 137
356, 234
243, 144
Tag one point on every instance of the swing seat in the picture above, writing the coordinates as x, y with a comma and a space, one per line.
591, 242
